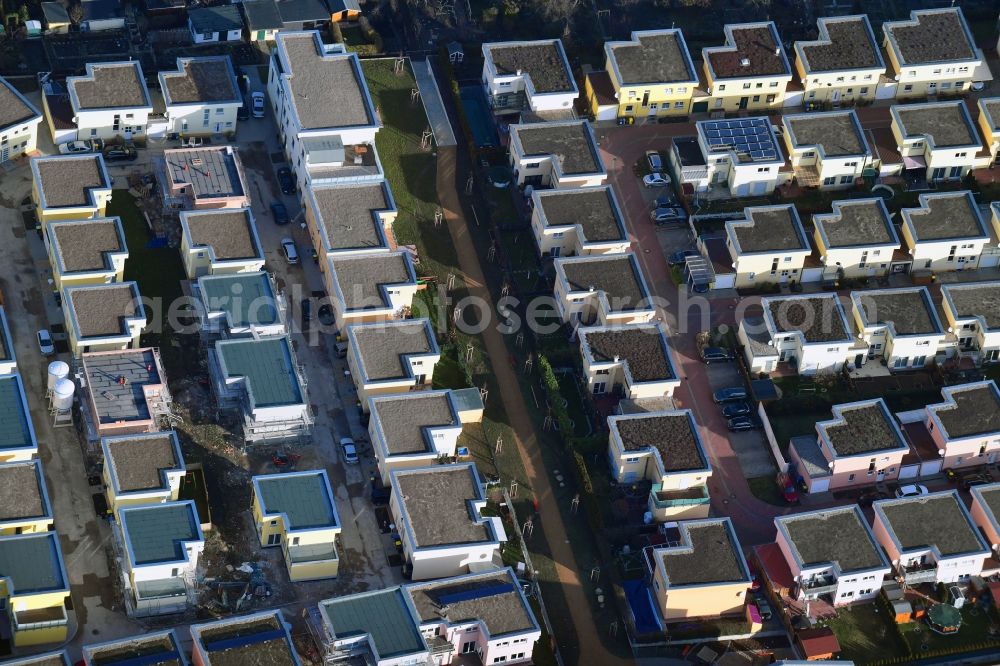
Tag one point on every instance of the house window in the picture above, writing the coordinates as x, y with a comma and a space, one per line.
760, 85
844, 180
678, 105
746, 86
809, 154
628, 109
907, 88
774, 84
722, 86
770, 98
756, 98
864, 91
850, 478
830, 180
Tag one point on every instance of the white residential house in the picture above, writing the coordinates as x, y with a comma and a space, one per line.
966, 426
937, 140
947, 233
557, 155
584, 221
843, 65
900, 326
220, 242
633, 361
972, 315
767, 246
218, 23
857, 239
742, 158
19, 127
827, 150
201, 96
602, 290
110, 100
413, 429
528, 76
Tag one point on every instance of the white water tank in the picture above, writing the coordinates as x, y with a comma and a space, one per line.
62, 395
57, 370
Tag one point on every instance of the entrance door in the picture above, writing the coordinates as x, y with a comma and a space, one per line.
261, 35
468, 647
880, 476
419, 379
859, 360
937, 173
835, 97
744, 101
273, 539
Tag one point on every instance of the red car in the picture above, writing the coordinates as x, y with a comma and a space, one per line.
790, 494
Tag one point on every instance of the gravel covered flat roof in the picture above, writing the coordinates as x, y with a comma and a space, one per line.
592, 208
861, 428
138, 462
22, 491
945, 216
908, 310
543, 61
84, 245
641, 347
947, 124
102, 311
818, 318
857, 223
14, 108
382, 347
247, 642
769, 229
938, 519
837, 536
617, 276
673, 434
754, 44
494, 599
655, 57
229, 232
711, 556
436, 503
975, 300
406, 418
931, 36
200, 80
348, 214
971, 411
837, 132
570, 144
110, 85
848, 44
66, 181
362, 278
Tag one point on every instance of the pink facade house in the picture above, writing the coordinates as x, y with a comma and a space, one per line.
966, 426
862, 444
200, 178
985, 512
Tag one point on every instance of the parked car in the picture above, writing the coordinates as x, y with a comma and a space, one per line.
728, 394
656, 180
45, 344
741, 424
912, 490
288, 247
666, 200
325, 315
243, 112
306, 307
257, 104
976, 480
350, 451
716, 355
763, 607
654, 161
680, 258
120, 154
192, 142
789, 493
279, 212
72, 147
737, 408
285, 180
664, 215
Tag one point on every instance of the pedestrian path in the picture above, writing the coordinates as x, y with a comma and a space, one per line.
430, 95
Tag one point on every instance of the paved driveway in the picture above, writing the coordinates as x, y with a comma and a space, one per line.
750, 447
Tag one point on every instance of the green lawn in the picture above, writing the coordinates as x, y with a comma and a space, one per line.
865, 634
766, 488
159, 271
972, 634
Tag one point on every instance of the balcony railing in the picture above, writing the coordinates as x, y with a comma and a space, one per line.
919, 573
820, 585
669, 499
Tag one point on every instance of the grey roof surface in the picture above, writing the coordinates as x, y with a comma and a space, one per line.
569, 143
946, 216
326, 91
712, 556
301, 11
908, 310
857, 223
617, 276
201, 80
836, 132
84, 245
262, 15
32, 563
591, 208
817, 318
993, 109
381, 614
543, 62
211, 171
101, 311
850, 46
976, 300
976, 411
436, 502
862, 429
14, 109
6, 344
641, 348
304, 498
267, 368
137, 650
405, 420
946, 123
657, 58
250, 642
21, 491
770, 230
228, 232
754, 43
834, 535
815, 463
157, 533
758, 337
932, 520
15, 426
138, 463
348, 214
221, 18
363, 278
991, 498
382, 348
935, 37
54, 659
110, 85
247, 298
121, 402
67, 180
673, 435
500, 606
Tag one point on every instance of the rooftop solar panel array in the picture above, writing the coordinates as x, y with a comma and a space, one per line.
746, 136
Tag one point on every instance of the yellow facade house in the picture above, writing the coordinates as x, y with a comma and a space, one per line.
17, 442
750, 72
34, 584
844, 65
391, 357
103, 317
85, 252
989, 125
144, 468
652, 74
25, 508
70, 187
297, 512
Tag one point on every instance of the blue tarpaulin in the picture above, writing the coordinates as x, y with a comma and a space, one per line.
640, 602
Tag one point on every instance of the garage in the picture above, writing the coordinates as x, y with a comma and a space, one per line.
820, 485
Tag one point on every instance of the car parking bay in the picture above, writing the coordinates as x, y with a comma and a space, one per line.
751, 448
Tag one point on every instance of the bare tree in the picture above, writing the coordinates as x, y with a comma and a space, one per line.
76, 13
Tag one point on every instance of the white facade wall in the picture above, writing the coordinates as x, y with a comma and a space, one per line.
191, 120
17, 140
933, 256
99, 124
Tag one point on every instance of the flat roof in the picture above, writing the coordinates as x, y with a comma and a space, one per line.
382, 347
16, 430
15, 109
992, 108
937, 520
255, 640
946, 124
929, 36
989, 496
493, 598
109, 85
68, 181
6, 343
654, 56
159, 648
140, 462
945, 215
594, 209
23, 495
382, 615
102, 311
845, 42
641, 347
570, 143
267, 368
857, 223
116, 400
908, 310
969, 410
304, 498
230, 233
436, 503
200, 79
616, 276
363, 278
975, 300
861, 428
327, 89
837, 133
544, 61
211, 172
84, 246
750, 140
673, 434
32, 563
247, 299
220, 18
709, 553
157, 533
406, 420
853, 547
768, 229
60, 658
348, 214
751, 49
